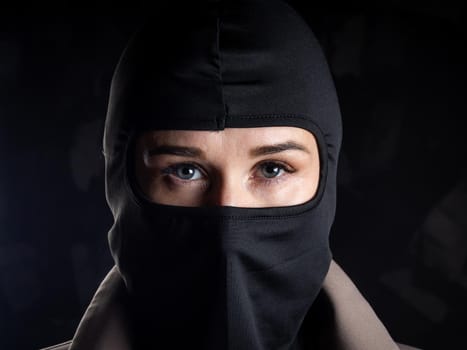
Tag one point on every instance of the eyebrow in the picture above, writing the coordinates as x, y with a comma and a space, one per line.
176, 151
278, 147
194, 152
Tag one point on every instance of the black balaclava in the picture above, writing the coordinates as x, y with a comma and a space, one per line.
221, 277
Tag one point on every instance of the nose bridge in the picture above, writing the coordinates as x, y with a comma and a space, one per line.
228, 190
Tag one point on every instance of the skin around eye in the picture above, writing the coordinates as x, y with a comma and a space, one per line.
191, 172
266, 173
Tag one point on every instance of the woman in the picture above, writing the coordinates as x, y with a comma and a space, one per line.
221, 145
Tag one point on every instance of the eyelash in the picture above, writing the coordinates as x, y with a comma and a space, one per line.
172, 172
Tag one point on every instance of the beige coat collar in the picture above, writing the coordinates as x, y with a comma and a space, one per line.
351, 323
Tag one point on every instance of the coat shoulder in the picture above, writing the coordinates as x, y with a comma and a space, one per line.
62, 346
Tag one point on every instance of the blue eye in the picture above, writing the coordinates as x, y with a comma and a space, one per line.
185, 171
271, 170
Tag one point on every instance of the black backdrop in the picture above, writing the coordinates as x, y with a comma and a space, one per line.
401, 226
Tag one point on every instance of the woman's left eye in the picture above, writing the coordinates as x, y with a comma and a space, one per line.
271, 170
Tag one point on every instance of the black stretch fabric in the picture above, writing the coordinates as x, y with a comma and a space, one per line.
221, 277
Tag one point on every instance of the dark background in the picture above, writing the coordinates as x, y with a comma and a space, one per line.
401, 225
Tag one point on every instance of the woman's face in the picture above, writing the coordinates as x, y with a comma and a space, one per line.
240, 167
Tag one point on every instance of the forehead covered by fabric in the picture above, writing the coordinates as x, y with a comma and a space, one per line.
216, 64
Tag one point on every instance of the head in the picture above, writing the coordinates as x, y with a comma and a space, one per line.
221, 143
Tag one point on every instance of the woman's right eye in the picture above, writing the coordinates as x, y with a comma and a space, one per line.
186, 172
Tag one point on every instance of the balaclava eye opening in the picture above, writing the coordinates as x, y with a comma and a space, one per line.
223, 277
142, 199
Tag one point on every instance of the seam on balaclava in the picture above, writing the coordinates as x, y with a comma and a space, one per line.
220, 120
229, 309
270, 116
